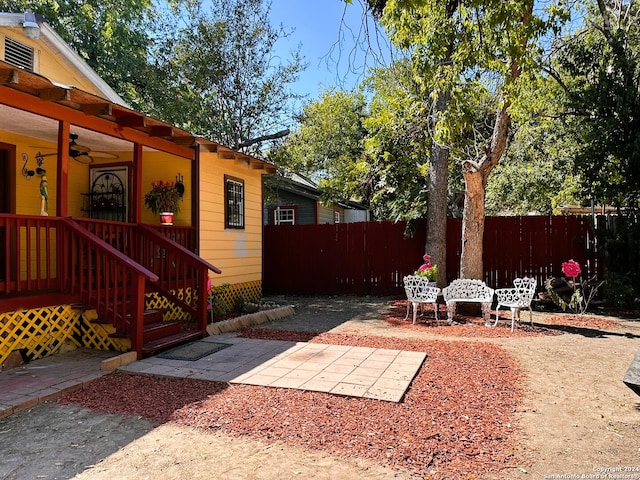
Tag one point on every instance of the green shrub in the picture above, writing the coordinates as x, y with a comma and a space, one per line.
619, 292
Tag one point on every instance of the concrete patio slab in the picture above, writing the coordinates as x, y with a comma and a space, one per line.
381, 374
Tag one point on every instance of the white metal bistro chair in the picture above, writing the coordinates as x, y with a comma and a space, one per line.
516, 298
419, 291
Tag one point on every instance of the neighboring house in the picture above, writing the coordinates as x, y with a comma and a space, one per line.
295, 200
82, 261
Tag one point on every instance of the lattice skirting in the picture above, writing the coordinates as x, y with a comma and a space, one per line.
154, 301
226, 294
96, 335
39, 332
230, 295
45, 331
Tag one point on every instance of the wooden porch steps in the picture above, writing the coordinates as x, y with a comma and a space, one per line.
149, 317
153, 316
154, 327
151, 347
160, 330
158, 334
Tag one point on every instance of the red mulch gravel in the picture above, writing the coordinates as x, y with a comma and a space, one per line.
586, 321
456, 421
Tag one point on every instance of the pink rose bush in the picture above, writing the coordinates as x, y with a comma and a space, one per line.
582, 292
571, 268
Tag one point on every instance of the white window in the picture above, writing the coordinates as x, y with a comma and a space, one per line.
284, 216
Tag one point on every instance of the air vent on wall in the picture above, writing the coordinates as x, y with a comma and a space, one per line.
18, 54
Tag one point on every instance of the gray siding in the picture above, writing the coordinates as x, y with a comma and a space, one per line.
306, 212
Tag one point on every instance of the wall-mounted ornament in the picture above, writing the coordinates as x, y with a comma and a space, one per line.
39, 161
180, 185
25, 171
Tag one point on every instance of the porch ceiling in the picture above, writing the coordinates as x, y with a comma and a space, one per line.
35, 105
37, 94
46, 130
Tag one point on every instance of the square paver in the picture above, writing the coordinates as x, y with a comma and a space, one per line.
350, 389
387, 394
319, 385
358, 379
288, 382
338, 368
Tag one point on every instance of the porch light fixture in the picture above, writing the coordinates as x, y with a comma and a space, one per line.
30, 26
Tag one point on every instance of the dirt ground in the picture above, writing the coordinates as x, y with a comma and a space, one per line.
577, 418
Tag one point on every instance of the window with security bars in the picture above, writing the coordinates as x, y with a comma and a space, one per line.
284, 216
234, 202
18, 54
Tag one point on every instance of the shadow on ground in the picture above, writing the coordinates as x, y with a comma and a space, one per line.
82, 438
321, 314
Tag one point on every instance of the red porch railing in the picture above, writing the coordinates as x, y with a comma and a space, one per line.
185, 236
29, 262
182, 274
106, 266
104, 279
122, 235
117, 234
168, 252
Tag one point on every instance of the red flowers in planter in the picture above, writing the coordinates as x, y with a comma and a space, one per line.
163, 197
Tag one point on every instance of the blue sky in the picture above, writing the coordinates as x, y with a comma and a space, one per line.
318, 27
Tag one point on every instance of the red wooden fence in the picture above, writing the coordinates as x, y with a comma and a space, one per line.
370, 258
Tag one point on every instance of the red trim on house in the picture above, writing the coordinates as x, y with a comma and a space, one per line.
33, 104
136, 184
62, 165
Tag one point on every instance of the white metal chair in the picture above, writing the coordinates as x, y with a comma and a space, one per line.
516, 298
419, 291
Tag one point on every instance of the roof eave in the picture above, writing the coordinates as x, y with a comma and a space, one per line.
49, 36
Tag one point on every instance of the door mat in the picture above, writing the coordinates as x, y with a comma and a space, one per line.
193, 351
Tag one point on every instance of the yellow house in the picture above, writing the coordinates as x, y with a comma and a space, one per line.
84, 262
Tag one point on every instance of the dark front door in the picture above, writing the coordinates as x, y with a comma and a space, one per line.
7, 177
4, 175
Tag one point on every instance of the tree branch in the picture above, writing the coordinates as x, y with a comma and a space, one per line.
252, 141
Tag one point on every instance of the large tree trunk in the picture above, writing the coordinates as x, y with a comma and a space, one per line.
436, 242
471, 265
476, 175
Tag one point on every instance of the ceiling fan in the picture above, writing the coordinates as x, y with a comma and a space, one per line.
81, 153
